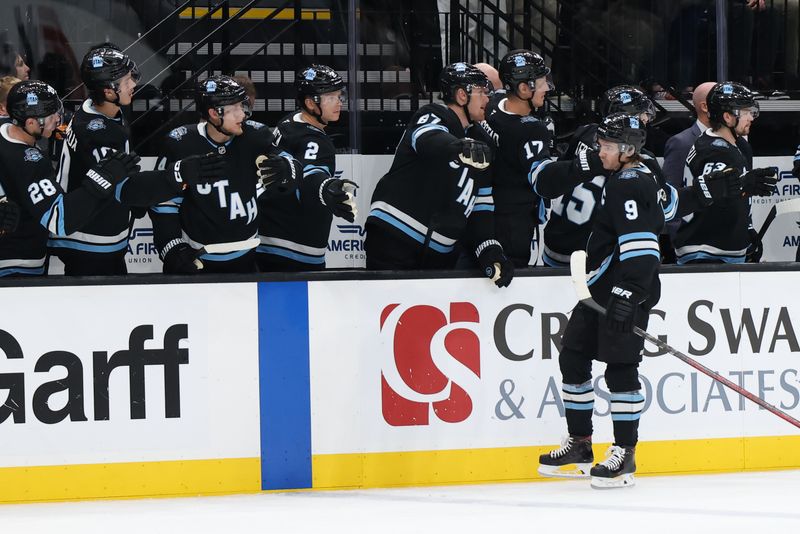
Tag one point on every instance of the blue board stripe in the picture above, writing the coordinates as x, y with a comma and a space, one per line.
284, 385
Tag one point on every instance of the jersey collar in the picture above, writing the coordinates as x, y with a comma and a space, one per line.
88, 107
201, 129
4, 134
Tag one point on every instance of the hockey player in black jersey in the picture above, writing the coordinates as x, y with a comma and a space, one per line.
570, 221
623, 258
437, 192
524, 170
29, 186
225, 210
723, 233
294, 227
97, 130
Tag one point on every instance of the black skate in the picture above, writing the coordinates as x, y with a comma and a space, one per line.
572, 460
616, 471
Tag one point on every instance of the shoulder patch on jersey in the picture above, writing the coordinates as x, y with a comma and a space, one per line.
720, 142
528, 118
96, 124
255, 124
33, 154
178, 132
628, 174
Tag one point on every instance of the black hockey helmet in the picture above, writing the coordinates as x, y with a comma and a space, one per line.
219, 91
32, 99
103, 66
461, 76
316, 80
730, 97
623, 129
523, 66
628, 99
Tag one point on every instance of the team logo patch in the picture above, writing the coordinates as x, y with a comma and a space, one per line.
310, 74
33, 154
727, 89
628, 174
178, 132
31, 99
254, 124
625, 98
720, 143
97, 62
519, 61
634, 122
96, 124
211, 86
460, 67
528, 118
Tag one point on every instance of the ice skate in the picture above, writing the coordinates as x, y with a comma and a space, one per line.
572, 460
616, 471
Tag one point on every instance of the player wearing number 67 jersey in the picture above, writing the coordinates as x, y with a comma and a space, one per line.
295, 225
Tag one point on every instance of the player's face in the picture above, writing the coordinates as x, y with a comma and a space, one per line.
540, 88
50, 124
478, 100
233, 117
609, 154
746, 118
23, 71
126, 86
331, 105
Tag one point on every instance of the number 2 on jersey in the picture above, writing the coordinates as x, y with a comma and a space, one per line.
311, 150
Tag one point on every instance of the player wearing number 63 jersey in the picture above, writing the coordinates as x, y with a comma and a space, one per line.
295, 225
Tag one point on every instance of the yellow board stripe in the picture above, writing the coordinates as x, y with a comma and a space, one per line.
520, 463
258, 13
136, 479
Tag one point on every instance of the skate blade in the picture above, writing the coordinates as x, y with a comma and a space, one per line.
622, 481
565, 471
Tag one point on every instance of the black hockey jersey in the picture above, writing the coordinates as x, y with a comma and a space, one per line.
27, 178
720, 232
428, 202
623, 246
295, 226
90, 137
221, 211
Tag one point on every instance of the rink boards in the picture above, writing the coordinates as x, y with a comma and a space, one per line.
173, 389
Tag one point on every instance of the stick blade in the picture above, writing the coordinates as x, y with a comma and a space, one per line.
577, 271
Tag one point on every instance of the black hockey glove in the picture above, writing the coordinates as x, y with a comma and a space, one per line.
180, 258
494, 263
755, 249
104, 176
796, 168
622, 307
587, 164
193, 170
278, 173
9, 216
717, 186
759, 182
338, 196
474, 153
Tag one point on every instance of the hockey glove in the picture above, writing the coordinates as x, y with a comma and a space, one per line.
104, 176
193, 170
587, 164
338, 196
717, 186
9, 216
759, 182
755, 249
180, 258
494, 263
474, 153
796, 168
622, 307
278, 172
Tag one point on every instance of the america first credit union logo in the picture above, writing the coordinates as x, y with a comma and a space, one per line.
429, 362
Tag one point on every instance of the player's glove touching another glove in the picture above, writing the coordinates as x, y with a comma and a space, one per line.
494, 263
339, 197
103, 177
587, 164
760, 182
476, 154
622, 308
193, 170
9, 216
717, 186
278, 172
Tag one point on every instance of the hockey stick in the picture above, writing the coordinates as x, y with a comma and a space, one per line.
577, 268
223, 248
786, 206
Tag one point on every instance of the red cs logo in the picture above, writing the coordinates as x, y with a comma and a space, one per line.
430, 363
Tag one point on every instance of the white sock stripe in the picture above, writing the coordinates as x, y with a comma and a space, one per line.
627, 407
577, 397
